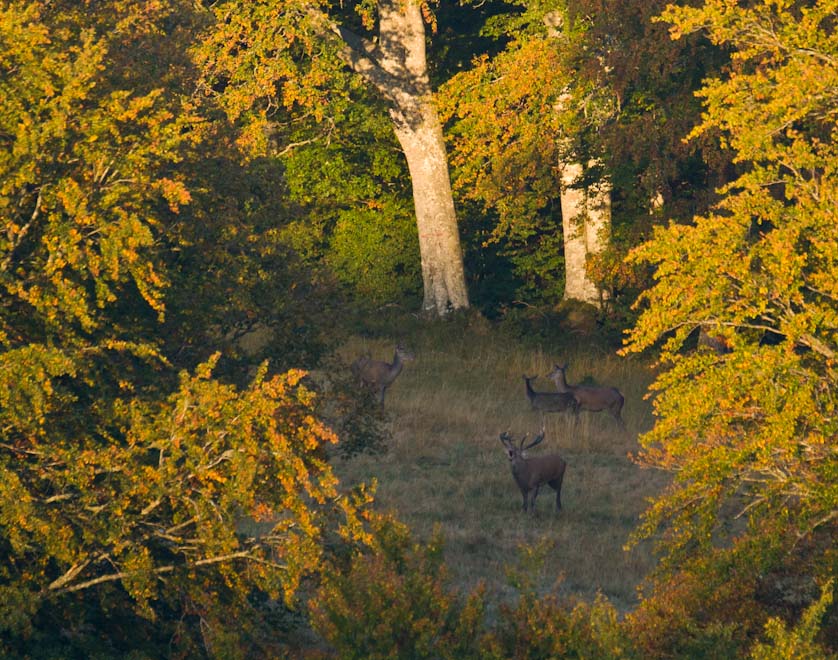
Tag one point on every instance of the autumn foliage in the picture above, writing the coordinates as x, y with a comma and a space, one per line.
750, 432
128, 492
164, 193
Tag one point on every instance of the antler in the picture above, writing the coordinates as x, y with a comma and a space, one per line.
535, 441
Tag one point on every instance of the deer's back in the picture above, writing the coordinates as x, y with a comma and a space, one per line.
552, 401
376, 372
531, 472
588, 395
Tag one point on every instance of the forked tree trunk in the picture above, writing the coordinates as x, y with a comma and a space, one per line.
397, 67
586, 223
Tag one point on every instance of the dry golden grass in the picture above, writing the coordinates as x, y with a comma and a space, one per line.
446, 466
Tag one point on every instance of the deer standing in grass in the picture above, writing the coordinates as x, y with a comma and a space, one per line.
589, 397
531, 473
550, 401
380, 375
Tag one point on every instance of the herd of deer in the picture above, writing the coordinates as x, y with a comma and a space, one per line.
530, 473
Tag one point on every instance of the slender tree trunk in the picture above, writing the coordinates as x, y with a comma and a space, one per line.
397, 67
586, 222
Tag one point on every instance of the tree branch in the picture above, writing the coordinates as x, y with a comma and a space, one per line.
361, 55
18, 239
58, 588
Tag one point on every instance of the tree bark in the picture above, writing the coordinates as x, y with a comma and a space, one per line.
397, 67
586, 223
439, 240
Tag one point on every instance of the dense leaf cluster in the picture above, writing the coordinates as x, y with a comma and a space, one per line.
130, 493
750, 431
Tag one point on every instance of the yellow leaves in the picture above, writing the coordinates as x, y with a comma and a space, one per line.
254, 136
511, 129
126, 108
68, 141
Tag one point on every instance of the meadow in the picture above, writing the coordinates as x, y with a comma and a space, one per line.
446, 468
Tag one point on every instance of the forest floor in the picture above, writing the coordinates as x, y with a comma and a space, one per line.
446, 467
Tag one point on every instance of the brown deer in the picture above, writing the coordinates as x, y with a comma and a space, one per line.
380, 375
589, 397
549, 401
531, 473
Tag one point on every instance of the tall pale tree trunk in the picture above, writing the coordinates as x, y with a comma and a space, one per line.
439, 239
397, 67
586, 223
586, 212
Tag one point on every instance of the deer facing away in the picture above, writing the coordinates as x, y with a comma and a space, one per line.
589, 397
531, 473
380, 375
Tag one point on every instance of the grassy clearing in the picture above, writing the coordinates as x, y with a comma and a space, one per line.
446, 466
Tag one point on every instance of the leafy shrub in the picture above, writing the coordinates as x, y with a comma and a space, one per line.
394, 603
376, 252
799, 642
548, 627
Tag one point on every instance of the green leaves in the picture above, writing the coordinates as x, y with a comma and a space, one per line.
801, 641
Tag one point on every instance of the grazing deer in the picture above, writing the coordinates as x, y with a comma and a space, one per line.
380, 375
531, 473
589, 397
549, 401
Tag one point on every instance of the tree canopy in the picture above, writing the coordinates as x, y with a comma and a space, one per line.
128, 490
750, 431
197, 198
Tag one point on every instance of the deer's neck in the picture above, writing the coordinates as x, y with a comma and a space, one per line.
561, 383
395, 368
520, 471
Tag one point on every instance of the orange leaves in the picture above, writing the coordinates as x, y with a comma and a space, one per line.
175, 192
265, 55
114, 473
219, 466
428, 16
26, 387
87, 154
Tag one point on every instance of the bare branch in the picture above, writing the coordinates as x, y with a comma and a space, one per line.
57, 586
20, 235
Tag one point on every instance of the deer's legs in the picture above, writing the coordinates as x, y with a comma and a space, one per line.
534, 493
556, 484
